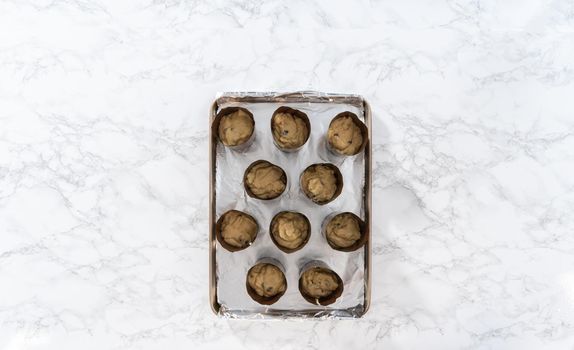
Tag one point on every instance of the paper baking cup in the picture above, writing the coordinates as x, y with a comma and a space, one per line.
258, 298
338, 175
248, 190
358, 244
296, 113
359, 123
220, 236
326, 300
225, 111
285, 249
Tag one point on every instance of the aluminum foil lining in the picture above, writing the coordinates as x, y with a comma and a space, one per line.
231, 268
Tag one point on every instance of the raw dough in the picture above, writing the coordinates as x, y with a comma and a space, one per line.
289, 130
343, 230
290, 230
267, 280
235, 128
238, 229
265, 180
319, 282
319, 183
345, 136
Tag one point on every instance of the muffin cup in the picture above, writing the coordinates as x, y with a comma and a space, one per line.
217, 120
326, 300
358, 244
248, 190
338, 175
219, 236
297, 113
285, 249
258, 298
359, 123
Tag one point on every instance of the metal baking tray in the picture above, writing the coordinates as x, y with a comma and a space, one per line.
227, 271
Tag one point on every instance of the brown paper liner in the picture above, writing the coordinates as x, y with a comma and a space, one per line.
217, 120
285, 249
219, 236
248, 190
359, 123
258, 298
358, 244
326, 300
338, 175
297, 113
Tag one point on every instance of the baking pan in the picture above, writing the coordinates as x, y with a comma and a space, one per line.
227, 270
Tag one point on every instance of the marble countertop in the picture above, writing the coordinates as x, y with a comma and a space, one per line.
104, 167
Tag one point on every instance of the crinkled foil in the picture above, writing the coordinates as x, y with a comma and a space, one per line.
231, 268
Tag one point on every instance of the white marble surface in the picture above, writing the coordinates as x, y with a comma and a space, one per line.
103, 167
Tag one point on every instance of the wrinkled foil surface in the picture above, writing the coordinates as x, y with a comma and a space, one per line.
231, 268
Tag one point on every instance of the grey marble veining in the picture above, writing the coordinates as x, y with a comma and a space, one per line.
103, 167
